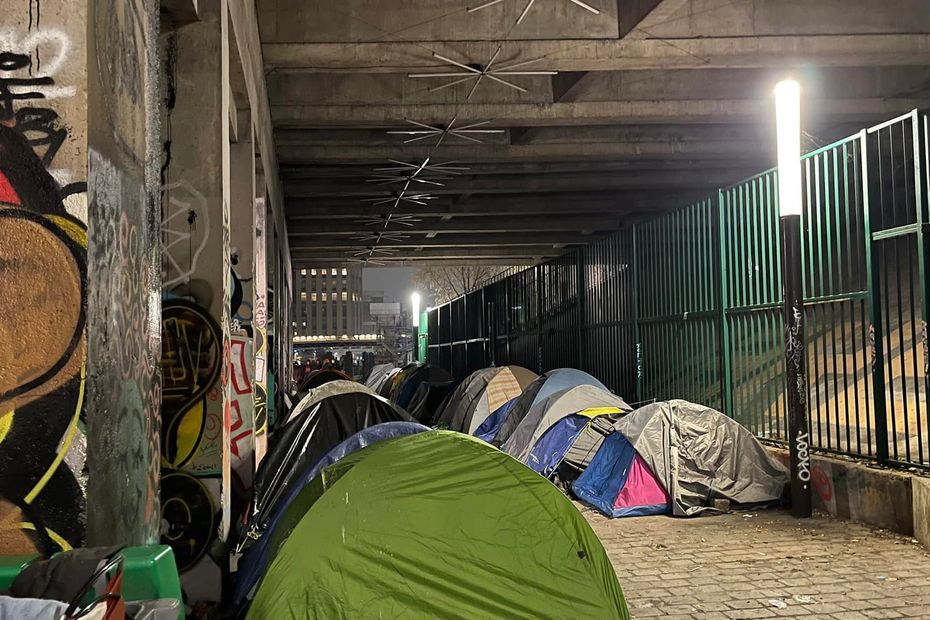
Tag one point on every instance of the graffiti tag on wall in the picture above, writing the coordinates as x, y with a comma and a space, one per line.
191, 363
42, 314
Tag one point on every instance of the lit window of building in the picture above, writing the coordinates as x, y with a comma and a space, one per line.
333, 272
303, 272
345, 271
313, 272
303, 295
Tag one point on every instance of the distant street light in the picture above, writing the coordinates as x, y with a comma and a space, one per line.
788, 134
415, 304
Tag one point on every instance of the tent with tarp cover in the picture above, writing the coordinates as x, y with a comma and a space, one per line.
679, 457
375, 536
480, 394
306, 438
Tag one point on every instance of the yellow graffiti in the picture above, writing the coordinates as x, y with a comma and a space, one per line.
65, 444
6, 422
56, 538
74, 230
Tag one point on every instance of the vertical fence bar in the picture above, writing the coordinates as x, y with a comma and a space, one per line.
726, 386
876, 333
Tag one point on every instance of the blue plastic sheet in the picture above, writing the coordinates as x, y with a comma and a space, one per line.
551, 448
488, 429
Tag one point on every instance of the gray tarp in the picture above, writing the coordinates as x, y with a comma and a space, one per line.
699, 454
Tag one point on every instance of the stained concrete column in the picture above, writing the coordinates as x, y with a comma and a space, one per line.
124, 281
195, 204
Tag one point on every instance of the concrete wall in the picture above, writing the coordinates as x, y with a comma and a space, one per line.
43, 274
78, 414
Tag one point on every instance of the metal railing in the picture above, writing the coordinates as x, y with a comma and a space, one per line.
689, 304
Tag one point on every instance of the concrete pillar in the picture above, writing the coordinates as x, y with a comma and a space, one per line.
124, 283
197, 269
242, 351
79, 230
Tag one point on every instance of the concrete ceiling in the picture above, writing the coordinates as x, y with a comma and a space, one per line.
655, 103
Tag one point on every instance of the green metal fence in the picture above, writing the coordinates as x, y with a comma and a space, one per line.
689, 304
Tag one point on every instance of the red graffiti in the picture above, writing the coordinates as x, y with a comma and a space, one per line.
822, 483
238, 369
237, 424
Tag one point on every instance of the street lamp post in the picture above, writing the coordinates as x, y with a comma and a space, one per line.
415, 308
788, 126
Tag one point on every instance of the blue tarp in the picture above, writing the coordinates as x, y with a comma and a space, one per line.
606, 474
492, 424
549, 451
253, 561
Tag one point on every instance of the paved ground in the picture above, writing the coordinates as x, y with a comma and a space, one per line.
765, 566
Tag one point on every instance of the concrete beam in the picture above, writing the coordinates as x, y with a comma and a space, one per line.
586, 113
563, 84
782, 52
620, 203
721, 150
490, 224
336, 243
673, 166
520, 184
474, 253
635, 16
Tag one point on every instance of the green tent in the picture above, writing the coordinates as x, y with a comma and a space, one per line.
435, 525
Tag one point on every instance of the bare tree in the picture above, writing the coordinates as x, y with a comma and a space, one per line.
447, 283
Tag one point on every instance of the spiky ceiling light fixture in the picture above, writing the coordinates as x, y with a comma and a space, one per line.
424, 131
529, 5
479, 72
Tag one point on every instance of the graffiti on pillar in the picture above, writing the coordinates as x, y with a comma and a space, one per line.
43, 258
191, 363
123, 375
189, 517
185, 231
260, 331
241, 409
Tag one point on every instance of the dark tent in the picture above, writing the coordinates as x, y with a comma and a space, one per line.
428, 398
253, 562
375, 536
410, 380
318, 377
306, 438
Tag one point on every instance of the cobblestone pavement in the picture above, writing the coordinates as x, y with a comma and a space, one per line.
768, 565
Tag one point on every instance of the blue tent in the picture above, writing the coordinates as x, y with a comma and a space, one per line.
551, 448
492, 424
253, 561
619, 483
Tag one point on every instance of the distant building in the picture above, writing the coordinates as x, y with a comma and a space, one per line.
327, 303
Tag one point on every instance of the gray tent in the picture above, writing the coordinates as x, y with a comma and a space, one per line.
543, 414
480, 394
377, 374
698, 454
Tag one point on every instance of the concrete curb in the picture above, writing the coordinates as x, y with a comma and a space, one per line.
889, 499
